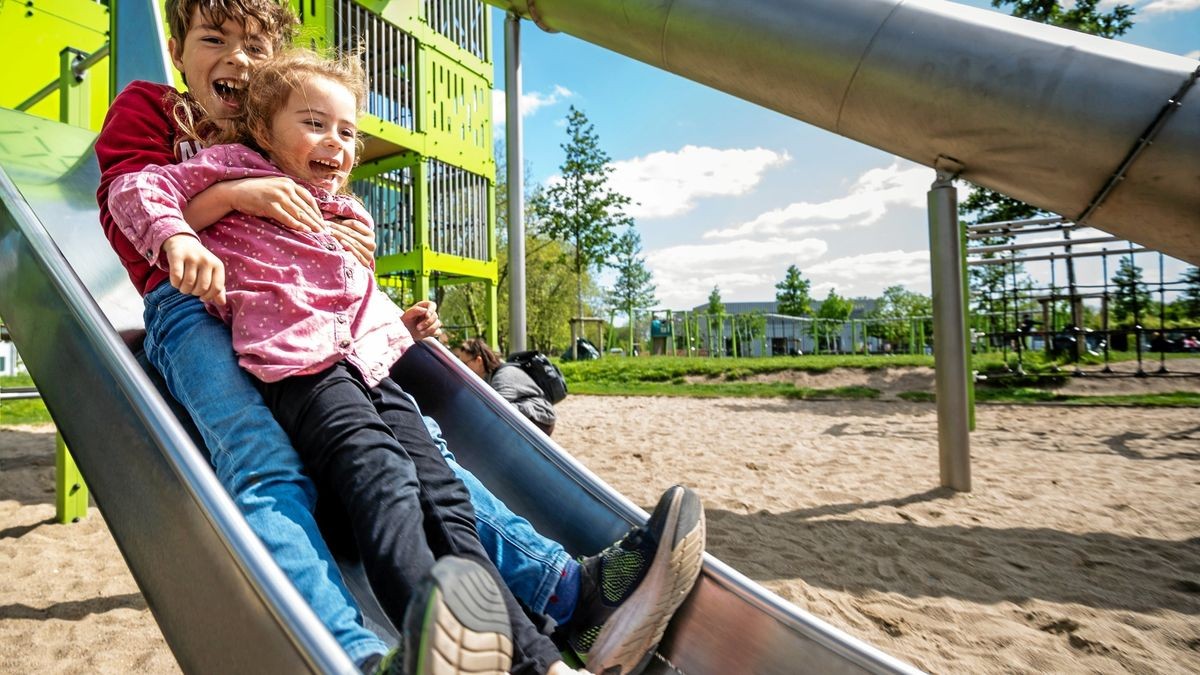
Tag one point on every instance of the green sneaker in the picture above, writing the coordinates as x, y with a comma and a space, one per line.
630, 590
456, 623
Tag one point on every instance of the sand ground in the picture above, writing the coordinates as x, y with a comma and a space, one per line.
1078, 550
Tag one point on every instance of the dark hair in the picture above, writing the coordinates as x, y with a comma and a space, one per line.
274, 18
476, 347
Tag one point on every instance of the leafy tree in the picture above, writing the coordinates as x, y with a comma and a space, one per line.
1082, 15
751, 327
580, 209
715, 305
835, 310
1189, 300
893, 312
791, 294
1131, 295
632, 290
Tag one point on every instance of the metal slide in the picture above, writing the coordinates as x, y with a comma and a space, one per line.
222, 604
1096, 130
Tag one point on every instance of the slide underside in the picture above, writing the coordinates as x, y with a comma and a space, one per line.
222, 604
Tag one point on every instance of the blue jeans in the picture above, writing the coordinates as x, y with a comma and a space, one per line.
251, 456
529, 563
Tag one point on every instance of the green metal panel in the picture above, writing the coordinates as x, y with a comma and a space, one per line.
457, 118
32, 34
74, 99
70, 493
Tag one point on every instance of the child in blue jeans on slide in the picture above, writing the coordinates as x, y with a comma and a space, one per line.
255, 464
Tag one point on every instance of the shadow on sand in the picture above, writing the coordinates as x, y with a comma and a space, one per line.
73, 610
977, 564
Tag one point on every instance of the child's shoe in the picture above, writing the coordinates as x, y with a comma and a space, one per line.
456, 623
630, 590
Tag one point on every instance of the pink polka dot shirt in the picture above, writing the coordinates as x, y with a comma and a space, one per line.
297, 302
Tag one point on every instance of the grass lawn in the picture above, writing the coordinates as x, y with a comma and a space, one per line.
727, 377
22, 411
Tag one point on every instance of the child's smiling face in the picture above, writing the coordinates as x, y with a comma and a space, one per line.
216, 61
313, 136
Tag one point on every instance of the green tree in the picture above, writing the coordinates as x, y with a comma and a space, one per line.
632, 289
894, 311
751, 327
1189, 299
834, 311
791, 294
1082, 15
581, 209
1131, 296
715, 305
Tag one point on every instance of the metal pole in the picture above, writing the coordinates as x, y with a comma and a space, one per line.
949, 334
517, 336
1104, 312
1162, 318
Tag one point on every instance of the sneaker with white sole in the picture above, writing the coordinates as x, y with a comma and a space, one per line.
630, 590
456, 623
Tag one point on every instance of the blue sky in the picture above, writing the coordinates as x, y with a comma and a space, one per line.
713, 175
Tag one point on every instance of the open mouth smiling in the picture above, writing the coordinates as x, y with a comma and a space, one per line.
230, 91
326, 169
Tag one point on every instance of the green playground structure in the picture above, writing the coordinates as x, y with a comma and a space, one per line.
762, 333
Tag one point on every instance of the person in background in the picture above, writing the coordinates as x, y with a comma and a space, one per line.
512, 383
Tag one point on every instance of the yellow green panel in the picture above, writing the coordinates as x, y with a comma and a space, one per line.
70, 492
458, 114
32, 34
440, 262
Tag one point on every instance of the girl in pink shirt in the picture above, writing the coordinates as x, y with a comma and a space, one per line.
310, 324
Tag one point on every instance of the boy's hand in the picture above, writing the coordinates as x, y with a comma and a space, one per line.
422, 320
194, 269
279, 198
356, 238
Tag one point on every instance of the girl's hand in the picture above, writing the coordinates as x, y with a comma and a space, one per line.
422, 320
194, 269
279, 198
356, 238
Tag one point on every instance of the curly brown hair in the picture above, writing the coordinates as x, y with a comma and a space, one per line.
274, 18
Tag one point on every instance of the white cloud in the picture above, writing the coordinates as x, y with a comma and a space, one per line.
1166, 6
663, 184
1194, 54
902, 184
870, 273
531, 102
744, 269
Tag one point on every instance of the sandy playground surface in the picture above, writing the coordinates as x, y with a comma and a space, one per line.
1078, 550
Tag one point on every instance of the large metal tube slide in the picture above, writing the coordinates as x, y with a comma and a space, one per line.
1043, 114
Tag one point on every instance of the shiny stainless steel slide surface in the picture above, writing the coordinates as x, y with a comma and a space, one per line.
222, 604
1043, 114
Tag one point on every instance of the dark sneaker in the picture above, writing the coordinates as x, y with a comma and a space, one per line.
630, 590
456, 623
